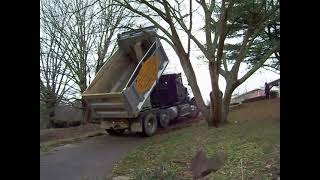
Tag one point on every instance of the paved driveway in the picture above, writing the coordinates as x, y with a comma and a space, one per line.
91, 159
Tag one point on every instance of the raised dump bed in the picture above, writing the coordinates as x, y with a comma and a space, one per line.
123, 84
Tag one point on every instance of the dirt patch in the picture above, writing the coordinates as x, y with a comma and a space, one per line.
256, 111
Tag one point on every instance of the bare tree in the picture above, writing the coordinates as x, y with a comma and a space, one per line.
76, 36
54, 81
218, 25
86, 31
109, 21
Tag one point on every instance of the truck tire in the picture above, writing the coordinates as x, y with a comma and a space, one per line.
194, 112
163, 119
193, 101
149, 124
115, 132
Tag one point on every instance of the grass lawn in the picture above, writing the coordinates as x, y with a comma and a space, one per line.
252, 138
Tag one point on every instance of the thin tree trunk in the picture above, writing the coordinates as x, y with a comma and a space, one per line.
185, 62
99, 64
210, 119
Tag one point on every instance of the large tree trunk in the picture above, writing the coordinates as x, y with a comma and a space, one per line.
86, 113
215, 96
51, 114
85, 108
50, 106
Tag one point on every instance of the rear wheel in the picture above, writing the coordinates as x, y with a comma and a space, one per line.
150, 124
114, 132
164, 119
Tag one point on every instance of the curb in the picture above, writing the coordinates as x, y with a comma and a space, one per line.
47, 146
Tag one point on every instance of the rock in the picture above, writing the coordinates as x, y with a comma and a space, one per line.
217, 161
201, 166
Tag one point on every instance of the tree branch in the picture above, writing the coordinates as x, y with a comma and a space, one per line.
184, 27
235, 67
190, 28
222, 31
258, 65
224, 60
167, 40
129, 7
158, 11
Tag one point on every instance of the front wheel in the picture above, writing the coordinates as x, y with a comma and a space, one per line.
150, 124
115, 132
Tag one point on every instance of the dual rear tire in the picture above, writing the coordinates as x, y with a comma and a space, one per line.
164, 119
149, 124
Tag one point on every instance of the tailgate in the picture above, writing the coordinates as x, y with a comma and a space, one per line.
108, 105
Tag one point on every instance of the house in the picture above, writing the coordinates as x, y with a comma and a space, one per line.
257, 93
276, 83
249, 95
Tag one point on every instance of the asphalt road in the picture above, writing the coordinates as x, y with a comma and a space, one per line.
88, 160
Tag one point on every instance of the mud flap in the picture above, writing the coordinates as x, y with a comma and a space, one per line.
136, 126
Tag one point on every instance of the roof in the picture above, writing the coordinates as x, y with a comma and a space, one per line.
253, 91
249, 92
275, 82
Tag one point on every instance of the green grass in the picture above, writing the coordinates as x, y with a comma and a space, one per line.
254, 141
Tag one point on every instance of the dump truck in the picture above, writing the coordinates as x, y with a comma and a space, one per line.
131, 92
